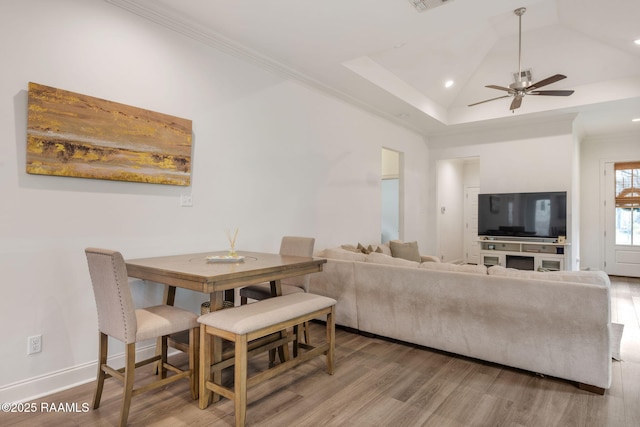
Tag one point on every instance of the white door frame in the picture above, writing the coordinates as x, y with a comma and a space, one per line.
471, 245
619, 260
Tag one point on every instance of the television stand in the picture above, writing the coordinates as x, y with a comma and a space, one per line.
534, 254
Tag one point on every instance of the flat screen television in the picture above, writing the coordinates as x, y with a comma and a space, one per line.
539, 215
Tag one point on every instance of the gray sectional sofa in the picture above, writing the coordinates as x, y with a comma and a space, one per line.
551, 323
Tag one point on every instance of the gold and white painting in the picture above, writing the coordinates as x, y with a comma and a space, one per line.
75, 135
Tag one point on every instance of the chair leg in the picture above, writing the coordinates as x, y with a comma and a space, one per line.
307, 334
331, 339
129, 370
240, 380
162, 364
194, 357
103, 342
204, 369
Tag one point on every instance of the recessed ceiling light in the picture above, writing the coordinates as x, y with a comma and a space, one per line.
637, 41
637, 119
448, 83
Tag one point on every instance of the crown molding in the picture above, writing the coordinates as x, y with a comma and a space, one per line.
224, 44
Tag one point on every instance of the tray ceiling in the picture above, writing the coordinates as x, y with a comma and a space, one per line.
394, 60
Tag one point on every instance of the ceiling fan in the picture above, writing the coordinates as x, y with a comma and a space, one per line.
522, 87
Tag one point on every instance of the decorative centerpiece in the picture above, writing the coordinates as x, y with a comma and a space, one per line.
232, 255
232, 243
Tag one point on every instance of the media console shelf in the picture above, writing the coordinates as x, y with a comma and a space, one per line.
523, 254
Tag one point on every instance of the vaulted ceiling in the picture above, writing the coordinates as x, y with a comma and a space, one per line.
390, 58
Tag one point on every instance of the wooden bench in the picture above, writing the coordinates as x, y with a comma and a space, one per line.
252, 322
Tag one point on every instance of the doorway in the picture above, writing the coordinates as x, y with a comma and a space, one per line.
458, 185
392, 201
622, 218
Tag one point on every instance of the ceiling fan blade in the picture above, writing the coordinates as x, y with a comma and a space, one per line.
519, 88
547, 81
551, 92
517, 101
499, 88
487, 100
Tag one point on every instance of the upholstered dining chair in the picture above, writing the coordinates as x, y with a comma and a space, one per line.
290, 245
119, 319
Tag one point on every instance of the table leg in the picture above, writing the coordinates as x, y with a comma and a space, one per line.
169, 297
276, 288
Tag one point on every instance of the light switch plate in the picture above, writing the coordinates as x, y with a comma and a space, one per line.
186, 200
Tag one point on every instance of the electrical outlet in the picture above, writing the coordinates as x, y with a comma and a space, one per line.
34, 344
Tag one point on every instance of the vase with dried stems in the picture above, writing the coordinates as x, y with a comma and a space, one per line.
232, 242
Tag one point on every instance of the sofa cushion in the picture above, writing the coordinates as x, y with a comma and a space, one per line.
598, 278
405, 250
342, 254
379, 258
460, 268
351, 248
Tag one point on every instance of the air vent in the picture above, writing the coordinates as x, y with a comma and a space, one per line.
422, 5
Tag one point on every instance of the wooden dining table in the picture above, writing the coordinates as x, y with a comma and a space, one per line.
210, 273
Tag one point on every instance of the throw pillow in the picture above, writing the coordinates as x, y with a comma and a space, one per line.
406, 250
384, 249
351, 248
363, 249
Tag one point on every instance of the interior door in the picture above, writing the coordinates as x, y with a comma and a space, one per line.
622, 254
471, 244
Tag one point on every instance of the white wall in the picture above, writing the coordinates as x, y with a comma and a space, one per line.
594, 153
270, 156
526, 158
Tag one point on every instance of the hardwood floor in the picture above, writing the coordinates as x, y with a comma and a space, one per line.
384, 383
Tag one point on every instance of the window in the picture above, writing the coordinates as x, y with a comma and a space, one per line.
628, 203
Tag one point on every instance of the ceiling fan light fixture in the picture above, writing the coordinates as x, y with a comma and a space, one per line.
525, 76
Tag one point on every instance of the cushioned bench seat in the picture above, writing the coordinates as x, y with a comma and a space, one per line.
250, 322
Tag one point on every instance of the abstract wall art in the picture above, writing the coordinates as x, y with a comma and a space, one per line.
75, 135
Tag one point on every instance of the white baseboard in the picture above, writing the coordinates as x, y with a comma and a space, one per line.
44, 385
